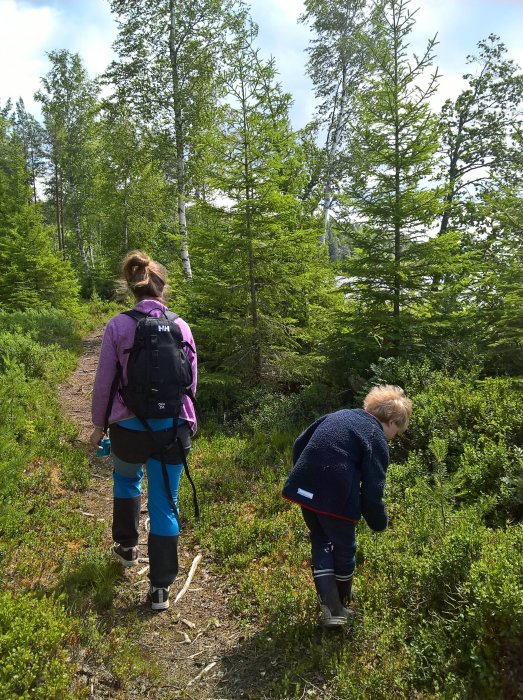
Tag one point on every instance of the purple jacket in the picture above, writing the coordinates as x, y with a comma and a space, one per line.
119, 336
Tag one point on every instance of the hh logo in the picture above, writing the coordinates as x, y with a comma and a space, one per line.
163, 328
161, 406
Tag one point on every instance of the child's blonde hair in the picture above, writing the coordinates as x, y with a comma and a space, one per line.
389, 403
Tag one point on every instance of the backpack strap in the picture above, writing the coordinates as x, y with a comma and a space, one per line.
134, 314
186, 469
165, 475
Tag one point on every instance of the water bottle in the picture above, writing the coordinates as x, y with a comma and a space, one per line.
104, 447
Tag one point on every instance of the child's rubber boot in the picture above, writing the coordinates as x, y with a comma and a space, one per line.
345, 591
332, 612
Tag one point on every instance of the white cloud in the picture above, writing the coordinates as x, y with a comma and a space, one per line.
24, 37
284, 38
27, 32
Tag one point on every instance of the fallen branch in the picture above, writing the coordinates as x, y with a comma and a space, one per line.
187, 583
203, 672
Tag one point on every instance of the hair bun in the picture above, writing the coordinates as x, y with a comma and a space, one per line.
138, 259
144, 276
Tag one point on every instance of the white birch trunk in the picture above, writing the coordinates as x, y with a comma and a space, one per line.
178, 129
80, 242
186, 262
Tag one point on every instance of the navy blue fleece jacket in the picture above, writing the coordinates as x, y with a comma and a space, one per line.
340, 467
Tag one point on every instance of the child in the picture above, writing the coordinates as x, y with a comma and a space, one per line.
340, 466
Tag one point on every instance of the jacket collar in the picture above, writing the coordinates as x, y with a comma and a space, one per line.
148, 305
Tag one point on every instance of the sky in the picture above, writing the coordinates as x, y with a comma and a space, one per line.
30, 28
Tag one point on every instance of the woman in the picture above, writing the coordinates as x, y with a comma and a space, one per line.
135, 442
340, 467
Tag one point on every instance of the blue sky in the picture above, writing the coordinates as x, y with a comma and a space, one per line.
29, 28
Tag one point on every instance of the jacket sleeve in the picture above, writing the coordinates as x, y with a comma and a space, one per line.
303, 439
105, 374
373, 477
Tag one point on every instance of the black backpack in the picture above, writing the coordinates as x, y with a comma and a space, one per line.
159, 375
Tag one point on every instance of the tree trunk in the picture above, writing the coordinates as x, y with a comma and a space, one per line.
252, 262
61, 212
397, 201
126, 216
178, 129
33, 176
332, 147
58, 209
79, 240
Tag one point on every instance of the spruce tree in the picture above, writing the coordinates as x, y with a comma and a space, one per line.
262, 273
390, 200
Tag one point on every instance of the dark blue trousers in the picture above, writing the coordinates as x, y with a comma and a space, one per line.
333, 545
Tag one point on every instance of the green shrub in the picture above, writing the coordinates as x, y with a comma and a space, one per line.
34, 658
44, 326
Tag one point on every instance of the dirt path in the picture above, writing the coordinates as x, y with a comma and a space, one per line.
202, 650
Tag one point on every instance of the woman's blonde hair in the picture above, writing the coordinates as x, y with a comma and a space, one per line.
144, 276
389, 403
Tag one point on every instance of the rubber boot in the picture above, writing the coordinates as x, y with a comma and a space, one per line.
345, 592
332, 612
126, 521
163, 560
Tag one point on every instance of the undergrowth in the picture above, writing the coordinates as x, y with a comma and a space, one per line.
56, 580
439, 595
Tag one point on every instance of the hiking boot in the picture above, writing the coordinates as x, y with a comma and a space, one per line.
327, 619
128, 556
159, 598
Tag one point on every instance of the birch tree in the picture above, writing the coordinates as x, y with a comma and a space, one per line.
69, 105
337, 65
132, 191
168, 52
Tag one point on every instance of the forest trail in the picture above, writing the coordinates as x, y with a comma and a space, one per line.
203, 651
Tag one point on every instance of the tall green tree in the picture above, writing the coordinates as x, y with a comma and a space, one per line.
480, 170
390, 198
496, 290
338, 60
69, 106
32, 135
32, 274
168, 54
132, 193
478, 129
262, 273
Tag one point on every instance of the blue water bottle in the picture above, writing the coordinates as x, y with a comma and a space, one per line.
104, 447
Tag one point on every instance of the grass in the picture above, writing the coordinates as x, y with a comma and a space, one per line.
57, 580
439, 594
